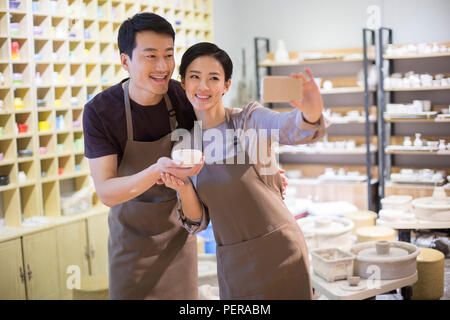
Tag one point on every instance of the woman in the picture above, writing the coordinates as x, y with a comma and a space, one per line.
261, 252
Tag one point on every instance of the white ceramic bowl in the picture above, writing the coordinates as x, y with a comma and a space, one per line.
189, 157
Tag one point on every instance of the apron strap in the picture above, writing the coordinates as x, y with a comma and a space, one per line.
171, 111
128, 111
230, 125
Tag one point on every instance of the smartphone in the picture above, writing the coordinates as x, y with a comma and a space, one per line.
282, 89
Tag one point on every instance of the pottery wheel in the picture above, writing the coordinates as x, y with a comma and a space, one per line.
347, 287
393, 253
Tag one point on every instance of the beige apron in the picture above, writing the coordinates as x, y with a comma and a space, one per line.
261, 251
150, 255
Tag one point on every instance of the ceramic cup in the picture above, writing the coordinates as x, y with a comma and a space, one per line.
417, 141
407, 142
442, 145
351, 144
22, 177
327, 85
353, 280
426, 105
418, 105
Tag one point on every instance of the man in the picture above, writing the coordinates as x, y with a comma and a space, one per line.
127, 141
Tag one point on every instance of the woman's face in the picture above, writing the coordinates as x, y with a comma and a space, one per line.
204, 83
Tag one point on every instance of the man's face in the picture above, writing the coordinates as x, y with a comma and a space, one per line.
153, 62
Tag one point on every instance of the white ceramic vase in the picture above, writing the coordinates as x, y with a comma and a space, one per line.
407, 142
418, 142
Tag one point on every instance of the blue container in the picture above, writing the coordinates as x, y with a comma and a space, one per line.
210, 242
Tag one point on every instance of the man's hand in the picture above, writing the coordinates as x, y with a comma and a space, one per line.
311, 105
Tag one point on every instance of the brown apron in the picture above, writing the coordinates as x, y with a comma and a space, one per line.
261, 251
150, 255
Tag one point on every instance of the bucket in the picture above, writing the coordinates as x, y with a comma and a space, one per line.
208, 236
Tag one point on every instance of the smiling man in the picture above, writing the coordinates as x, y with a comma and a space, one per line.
127, 131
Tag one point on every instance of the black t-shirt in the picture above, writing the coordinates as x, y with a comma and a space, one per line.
105, 127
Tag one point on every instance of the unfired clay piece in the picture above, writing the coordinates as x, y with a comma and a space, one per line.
399, 263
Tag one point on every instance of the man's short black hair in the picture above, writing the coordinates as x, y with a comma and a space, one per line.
144, 21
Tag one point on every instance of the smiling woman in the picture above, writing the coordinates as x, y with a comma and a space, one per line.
261, 251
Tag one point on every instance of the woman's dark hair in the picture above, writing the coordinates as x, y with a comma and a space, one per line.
206, 49
145, 21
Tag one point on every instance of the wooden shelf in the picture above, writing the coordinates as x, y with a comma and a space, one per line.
419, 89
335, 66
331, 153
70, 66
344, 90
438, 153
416, 56
417, 120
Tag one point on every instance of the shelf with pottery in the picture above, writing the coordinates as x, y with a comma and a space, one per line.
420, 146
333, 145
417, 51
429, 120
418, 111
315, 57
349, 115
418, 89
60, 58
330, 182
343, 114
411, 81
340, 85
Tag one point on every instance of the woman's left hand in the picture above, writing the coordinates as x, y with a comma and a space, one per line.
312, 104
173, 182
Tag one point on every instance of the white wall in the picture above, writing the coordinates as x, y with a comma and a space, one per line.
318, 24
